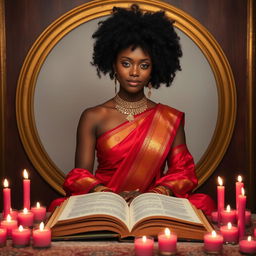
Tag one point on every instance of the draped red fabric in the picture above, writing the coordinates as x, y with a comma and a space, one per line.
133, 156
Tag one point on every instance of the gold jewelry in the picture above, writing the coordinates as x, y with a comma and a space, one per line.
130, 108
149, 89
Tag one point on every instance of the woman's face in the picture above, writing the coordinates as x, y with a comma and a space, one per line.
133, 69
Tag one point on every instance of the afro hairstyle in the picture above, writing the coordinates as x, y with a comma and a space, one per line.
152, 31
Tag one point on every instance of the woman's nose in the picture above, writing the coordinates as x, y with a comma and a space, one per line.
134, 71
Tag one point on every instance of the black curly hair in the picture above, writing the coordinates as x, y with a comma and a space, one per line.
153, 32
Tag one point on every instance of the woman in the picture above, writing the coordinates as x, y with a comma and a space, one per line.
135, 137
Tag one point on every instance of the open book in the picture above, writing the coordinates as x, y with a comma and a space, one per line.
148, 214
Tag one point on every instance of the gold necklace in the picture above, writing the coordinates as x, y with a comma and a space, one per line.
130, 108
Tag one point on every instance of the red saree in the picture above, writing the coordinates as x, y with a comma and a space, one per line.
134, 154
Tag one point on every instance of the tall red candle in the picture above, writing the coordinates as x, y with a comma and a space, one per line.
221, 197
6, 198
241, 213
239, 186
26, 190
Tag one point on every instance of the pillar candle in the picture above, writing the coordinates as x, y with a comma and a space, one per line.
247, 246
21, 237
9, 224
230, 233
41, 237
3, 236
167, 242
144, 246
26, 190
239, 186
213, 242
241, 214
228, 215
26, 218
221, 197
39, 212
6, 198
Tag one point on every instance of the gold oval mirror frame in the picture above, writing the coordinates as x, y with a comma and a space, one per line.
99, 8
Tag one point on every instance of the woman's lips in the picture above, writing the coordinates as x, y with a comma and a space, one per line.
133, 83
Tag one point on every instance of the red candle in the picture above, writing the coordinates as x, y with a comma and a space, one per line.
144, 246
26, 190
14, 214
39, 212
167, 242
213, 242
248, 217
26, 218
239, 186
221, 197
241, 214
41, 237
6, 198
21, 237
9, 224
247, 246
214, 216
230, 233
228, 215
3, 236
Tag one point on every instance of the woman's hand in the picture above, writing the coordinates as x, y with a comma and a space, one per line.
128, 196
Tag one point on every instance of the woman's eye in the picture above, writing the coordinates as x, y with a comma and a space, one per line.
144, 65
126, 64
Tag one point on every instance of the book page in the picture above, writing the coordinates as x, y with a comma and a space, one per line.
96, 203
152, 204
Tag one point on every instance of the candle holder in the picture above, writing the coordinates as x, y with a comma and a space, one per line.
229, 233
247, 245
41, 237
213, 243
26, 218
21, 237
167, 243
144, 246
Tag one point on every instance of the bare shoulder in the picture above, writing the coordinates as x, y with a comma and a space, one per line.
96, 114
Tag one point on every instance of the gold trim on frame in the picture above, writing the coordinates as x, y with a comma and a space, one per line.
99, 8
2, 86
250, 96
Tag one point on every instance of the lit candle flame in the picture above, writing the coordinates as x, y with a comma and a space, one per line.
6, 183
249, 238
220, 181
242, 191
144, 238
41, 227
25, 174
8, 218
20, 228
167, 232
228, 208
37, 205
239, 178
229, 225
25, 210
214, 233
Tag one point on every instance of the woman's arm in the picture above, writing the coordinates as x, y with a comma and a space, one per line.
180, 177
81, 180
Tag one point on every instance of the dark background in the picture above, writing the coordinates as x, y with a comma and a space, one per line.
226, 20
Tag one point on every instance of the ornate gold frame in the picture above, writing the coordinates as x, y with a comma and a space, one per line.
98, 8
2, 86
